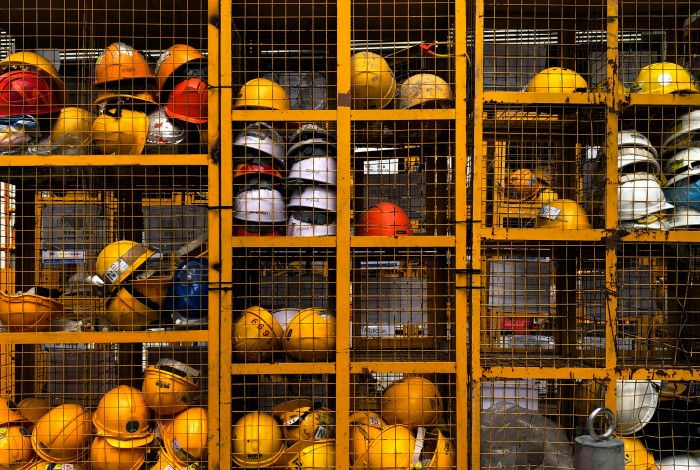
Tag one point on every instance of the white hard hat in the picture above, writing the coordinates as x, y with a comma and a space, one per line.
640, 195
636, 403
314, 197
632, 138
316, 170
311, 131
632, 159
316, 147
260, 206
680, 462
259, 137
683, 164
684, 217
299, 228
684, 126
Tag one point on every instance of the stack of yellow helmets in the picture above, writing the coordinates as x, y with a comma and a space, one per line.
309, 432
123, 104
63, 434
122, 425
15, 444
405, 435
135, 297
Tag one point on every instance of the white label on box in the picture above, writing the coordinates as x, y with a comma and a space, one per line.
62, 256
389, 166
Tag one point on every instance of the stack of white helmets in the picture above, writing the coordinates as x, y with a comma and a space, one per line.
258, 174
311, 180
681, 153
640, 199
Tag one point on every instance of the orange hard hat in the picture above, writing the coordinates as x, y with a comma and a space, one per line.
120, 61
172, 59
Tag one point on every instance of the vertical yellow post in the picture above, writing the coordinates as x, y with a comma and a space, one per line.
461, 233
343, 261
611, 222
220, 229
478, 176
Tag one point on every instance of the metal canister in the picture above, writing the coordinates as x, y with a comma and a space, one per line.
599, 451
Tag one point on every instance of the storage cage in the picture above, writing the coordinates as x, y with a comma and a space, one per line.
348, 234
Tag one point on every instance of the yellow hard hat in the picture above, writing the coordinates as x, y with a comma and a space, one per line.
72, 127
557, 80
301, 421
118, 260
392, 449
413, 401
425, 90
664, 78
167, 386
8, 412
27, 312
15, 447
256, 334
257, 440
104, 456
185, 437
33, 60
319, 455
172, 59
372, 81
437, 453
120, 61
122, 417
261, 93
33, 408
120, 131
365, 426
563, 214
637, 457
63, 434
310, 335
132, 307
546, 196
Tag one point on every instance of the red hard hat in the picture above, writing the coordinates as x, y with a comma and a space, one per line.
385, 219
189, 101
26, 92
242, 231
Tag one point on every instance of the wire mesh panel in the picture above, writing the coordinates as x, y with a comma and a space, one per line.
285, 55
403, 178
529, 422
283, 420
544, 167
541, 305
402, 50
284, 305
401, 304
656, 304
564, 43
109, 78
399, 418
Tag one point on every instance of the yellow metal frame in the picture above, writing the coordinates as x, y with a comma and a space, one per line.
467, 242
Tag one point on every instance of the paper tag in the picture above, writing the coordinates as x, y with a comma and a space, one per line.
116, 270
549, 212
